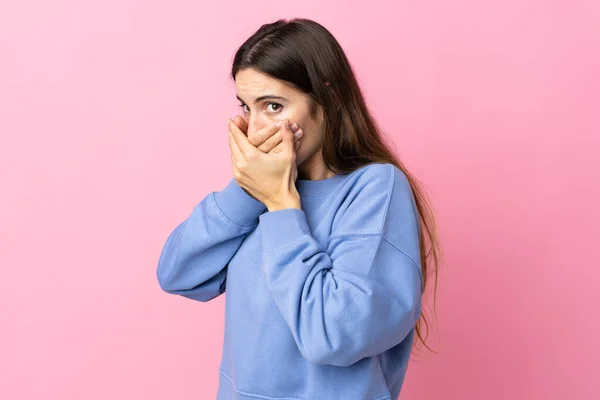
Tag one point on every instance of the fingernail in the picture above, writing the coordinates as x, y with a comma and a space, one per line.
294, 126
299, 134
278, 124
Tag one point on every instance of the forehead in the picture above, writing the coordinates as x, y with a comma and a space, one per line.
251, 82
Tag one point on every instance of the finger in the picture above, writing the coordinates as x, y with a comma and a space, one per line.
244, 146
282, 145
235, 148
267, 132
271, 143
277, 149
287, 137
241, 123
259, 137
274, 140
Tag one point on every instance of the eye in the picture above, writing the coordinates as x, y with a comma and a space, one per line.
244, 107
277, 107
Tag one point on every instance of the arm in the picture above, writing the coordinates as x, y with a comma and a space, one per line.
193, 262
359, 296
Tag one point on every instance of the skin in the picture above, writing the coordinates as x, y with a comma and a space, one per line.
266, 162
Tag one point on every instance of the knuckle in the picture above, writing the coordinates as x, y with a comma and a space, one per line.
254, 141
240, 165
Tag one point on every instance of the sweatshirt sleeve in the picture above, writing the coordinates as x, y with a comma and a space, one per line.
194, 259
359, 296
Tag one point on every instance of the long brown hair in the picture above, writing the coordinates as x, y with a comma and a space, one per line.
305, 54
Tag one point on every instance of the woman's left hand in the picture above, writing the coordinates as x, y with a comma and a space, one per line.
270, 178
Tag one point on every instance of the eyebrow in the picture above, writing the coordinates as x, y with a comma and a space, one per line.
262, 98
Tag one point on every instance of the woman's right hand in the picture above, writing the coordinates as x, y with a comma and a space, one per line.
267, 138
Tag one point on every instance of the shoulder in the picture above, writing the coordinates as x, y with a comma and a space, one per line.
377, 173
380, 201
382, 180
373, 193
380, 173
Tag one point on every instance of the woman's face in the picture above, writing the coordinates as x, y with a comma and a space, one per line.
266, 100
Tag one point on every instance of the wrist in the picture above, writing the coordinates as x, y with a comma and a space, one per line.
289, 200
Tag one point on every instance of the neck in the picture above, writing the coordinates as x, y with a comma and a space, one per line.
314, 169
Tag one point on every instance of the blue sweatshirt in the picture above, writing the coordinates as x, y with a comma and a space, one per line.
321, 302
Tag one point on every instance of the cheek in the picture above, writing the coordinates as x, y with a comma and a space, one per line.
296, 116
309, 144
312, 136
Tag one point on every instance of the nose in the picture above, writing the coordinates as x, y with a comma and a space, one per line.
256, 123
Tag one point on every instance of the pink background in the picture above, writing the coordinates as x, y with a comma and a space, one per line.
112, 116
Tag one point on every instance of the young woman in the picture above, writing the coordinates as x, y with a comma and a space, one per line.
322, 239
